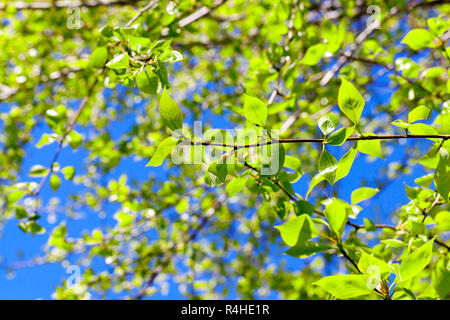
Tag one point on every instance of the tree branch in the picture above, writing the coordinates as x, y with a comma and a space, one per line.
319, 140
149, 6
41, 5
63, 138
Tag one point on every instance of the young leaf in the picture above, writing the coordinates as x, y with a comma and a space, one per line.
394, 243
235, 186
55, 182
418, 39
274, 156
328, 123
415, 262
370, 226
339, 137
362, 194
400, 124
297, 229
303, 207
422, 128
69, 172
15, 196
327, 166
366, 261
370, 147
219, 172
418, 113
442, 220
120, 61
345, 163
37, 171
345, 286
318, 178
75, 139
147, 82
20, 212
99, 57
170, 111
441, 175
163, 150
306, 249
293, 163
313, 54
337, 213
255, 110
350, 101
123, 219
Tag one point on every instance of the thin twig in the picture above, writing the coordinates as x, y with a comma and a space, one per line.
43, 5
319, 140
149, 6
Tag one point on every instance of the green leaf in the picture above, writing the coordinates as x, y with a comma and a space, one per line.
422, 128
20, 212
328, 123
303, 207
438, 25
415, 262
219, 172
370, 226
163, 150
441, 175
170, 112
293, 163
418, 39
15, 196
297, 229
58, 238
313, 54
318, 178
147, 82
425, 181
235, 186
362, 194
350, 101
345, 163
418, 113
120, 61
411, 193
366, 261
99, 57
306, 249
255, 110
327, 166
371, 147
442, 221
337, 212
273, 159
75, 139
37, 171
345, 286
124, 219
401, 124
434, 72
46, 139
69, 172
394, 243
416, 228
55, 182
339, 137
